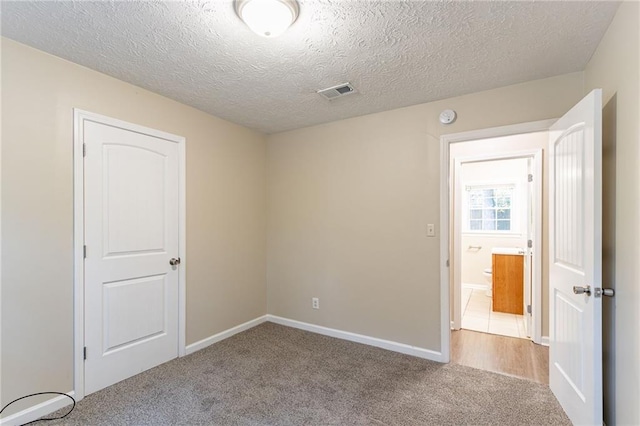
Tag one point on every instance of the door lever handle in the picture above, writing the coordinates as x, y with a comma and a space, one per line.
174, 261
582, 290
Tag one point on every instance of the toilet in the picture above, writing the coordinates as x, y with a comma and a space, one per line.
487, 273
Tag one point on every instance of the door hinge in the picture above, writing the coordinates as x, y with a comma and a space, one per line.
84, 252
447, 262
84, 149
529, 309
530, 243
84, 352
530, 178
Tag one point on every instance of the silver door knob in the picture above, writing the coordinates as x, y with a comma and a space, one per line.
609, 292
582, 290
174, 262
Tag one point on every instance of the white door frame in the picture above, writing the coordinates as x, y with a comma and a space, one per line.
536, 283
79, 117
445, 206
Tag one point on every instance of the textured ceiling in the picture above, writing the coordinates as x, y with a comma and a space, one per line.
396, 53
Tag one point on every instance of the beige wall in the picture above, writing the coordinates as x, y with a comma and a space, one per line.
225, 212
614, 68
349, 201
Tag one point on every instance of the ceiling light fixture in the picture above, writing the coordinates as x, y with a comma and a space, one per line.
268, 18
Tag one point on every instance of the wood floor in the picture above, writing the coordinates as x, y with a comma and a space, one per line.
507, 355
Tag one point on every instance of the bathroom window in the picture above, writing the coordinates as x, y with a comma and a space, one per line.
489, 208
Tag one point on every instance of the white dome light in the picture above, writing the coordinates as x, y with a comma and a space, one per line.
268, 18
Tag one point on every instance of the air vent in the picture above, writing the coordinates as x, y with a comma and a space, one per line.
338, 91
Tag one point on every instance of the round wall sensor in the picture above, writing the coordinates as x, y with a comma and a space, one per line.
447, 116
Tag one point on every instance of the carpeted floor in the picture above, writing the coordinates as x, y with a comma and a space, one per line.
275, 375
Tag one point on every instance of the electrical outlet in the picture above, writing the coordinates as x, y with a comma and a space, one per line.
431, 230
315, 303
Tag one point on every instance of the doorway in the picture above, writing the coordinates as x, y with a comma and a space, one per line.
525, 140
520, 140
478, 151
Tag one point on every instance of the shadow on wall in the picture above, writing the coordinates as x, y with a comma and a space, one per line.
609, 118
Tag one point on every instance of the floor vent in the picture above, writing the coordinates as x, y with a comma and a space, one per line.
338, 91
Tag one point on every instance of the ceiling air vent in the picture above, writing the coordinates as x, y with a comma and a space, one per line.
338, 91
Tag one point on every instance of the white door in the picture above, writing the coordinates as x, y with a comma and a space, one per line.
575, 258
131, 233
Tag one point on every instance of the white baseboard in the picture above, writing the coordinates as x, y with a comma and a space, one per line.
476, 286
35, 412
544, 341
359, 338
224, 334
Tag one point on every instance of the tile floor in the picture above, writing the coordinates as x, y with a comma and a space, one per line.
477, 315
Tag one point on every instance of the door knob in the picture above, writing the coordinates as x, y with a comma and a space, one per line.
174, 262
609, 292
582, 290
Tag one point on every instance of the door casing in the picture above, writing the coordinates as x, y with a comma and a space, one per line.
79, 117
445, 223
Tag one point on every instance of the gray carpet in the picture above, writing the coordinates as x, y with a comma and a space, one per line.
275, 375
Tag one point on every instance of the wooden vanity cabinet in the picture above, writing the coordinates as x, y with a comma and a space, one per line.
508, 283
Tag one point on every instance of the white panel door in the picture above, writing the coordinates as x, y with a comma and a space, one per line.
131, 233
575, 259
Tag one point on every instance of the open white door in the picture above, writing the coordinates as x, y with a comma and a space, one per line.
575, 259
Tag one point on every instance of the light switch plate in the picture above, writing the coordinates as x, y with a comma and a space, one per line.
431, 230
